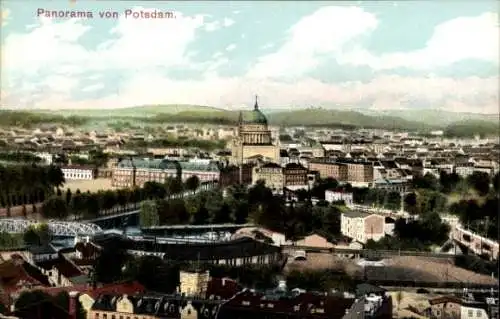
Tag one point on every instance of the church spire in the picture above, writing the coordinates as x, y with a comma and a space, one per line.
256, 105
240, 118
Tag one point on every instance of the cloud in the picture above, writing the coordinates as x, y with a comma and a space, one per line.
386, 92
4, 17
218, 24
452, 41
267, 46
93, 87
228, 22
212, 26
325, 32
231, 47
58, 49
141, 51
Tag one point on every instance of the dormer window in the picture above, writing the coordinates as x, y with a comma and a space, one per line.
270, 305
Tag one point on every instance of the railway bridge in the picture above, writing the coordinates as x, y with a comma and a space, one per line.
57, 228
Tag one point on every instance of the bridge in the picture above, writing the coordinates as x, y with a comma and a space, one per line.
57, 228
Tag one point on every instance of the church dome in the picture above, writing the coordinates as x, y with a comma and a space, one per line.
255, 116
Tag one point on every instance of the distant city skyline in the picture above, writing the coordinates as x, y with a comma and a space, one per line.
373, 55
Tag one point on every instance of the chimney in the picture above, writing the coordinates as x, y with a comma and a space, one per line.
73, 304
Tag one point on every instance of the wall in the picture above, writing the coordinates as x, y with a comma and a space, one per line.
374, 227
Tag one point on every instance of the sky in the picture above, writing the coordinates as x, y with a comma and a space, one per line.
379, 55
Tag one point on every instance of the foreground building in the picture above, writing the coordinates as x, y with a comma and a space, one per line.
136, 172
361, 226
254, 138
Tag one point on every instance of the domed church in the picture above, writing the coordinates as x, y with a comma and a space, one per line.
254, 138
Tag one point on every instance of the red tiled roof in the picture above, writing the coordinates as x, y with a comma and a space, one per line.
128, 288
63, 266
12, 274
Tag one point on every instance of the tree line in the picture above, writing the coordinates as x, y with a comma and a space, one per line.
31, 119
256, 204
87, 205
19, 157
477, 205
28, 184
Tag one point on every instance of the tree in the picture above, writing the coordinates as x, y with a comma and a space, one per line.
78, 204
223, 215
168, 213
192, 183
448, 182
480, 181
154, 273
148, 214
173, 185
319, 188
30, 297
122, 197
37, 234
410, 203
55, 207
496, 182
10, 240
98, 158
154, 190
201, 216
393, 201
93, 208
68, 196
428, 181
107, 200
55, 176
108, 267
62, 300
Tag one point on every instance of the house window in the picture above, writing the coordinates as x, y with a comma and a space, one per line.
471, 314
478, 313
